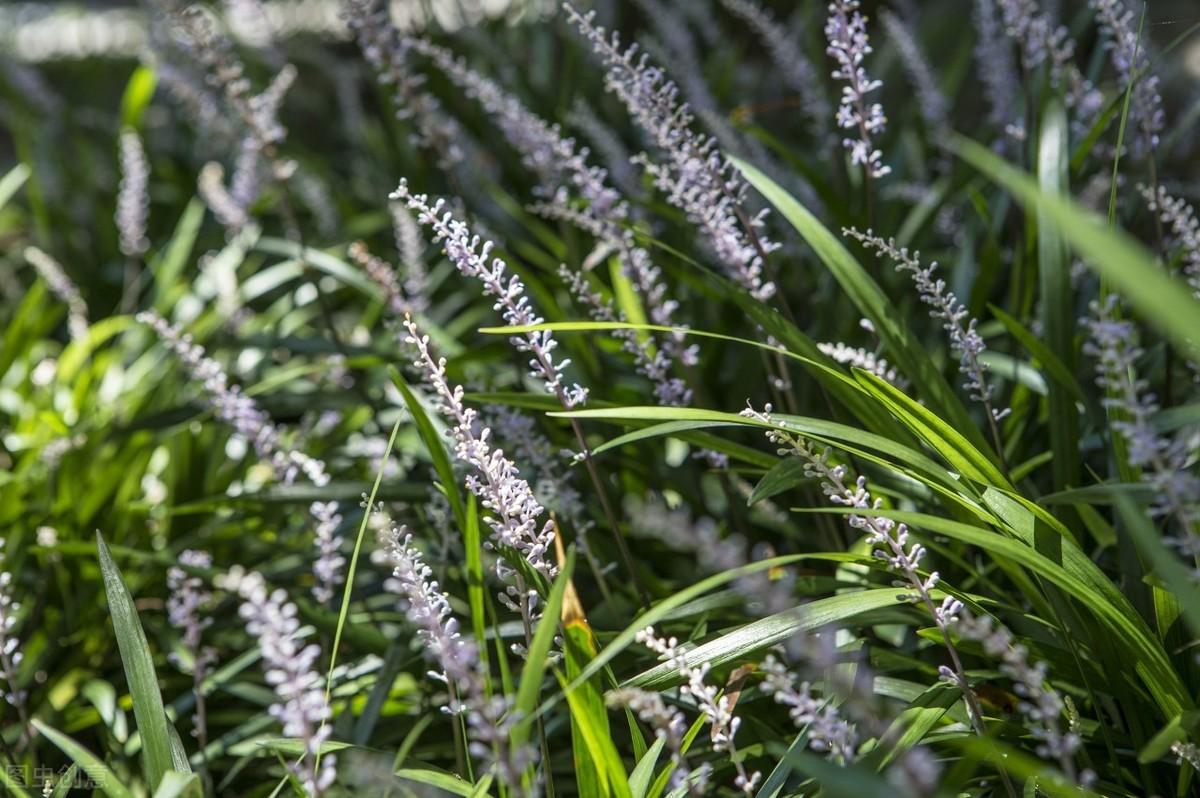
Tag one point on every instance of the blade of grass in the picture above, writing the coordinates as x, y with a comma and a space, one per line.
1056, 296
104, 778
138, 664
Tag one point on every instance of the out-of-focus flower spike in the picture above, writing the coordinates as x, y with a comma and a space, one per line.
62, 287
793, 67
692, 171
930, 98
133, 201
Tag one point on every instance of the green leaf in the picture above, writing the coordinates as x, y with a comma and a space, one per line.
1165, 563
105, 781
1056, 296
944, 438
914, 722
1177, 730
179, 785
170, 263
12, 181
148, 708
421, 773
1022, 765
1054, 367
784, 475
473, 547
16, 787
599, 771
1164, 302
754, 637
906, 352
537, 656
344, 610
138, 93
614, 780
639, 779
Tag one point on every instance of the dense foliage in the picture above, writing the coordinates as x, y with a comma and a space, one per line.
420, 401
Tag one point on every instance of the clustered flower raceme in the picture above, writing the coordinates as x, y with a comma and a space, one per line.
10, 644
1181, 218
693, 173
849, 45
289, 666
230, 404
514, 513
427, 607
411, 247
469, 254
610, 147
1132, 62
833, 729
187, 602
384, 276
133, 203
1040, 42
670, 726
862, 359
551, 483
793, 66
828, 731
1163, 461
674, 44
717, 709
957, 321
62, 287
259, 113
387, 52
327, 567
189, 92
930, 99
1040, 702
543, 147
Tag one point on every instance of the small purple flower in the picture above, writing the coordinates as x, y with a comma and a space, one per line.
387, 52
930, 99
470, 254
290, 666
1164, 462
849, 45
427, 607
